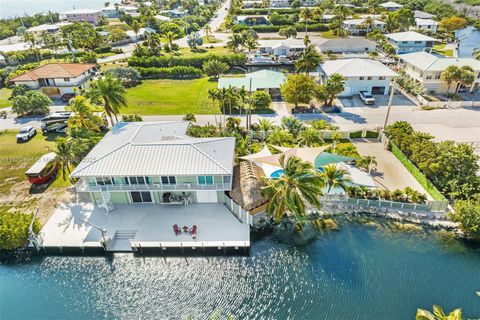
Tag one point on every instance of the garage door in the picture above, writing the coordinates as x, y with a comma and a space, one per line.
378, 90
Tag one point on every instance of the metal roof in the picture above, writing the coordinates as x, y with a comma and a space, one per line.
409, 36
427, 61
263, 79
156, 149
357, 67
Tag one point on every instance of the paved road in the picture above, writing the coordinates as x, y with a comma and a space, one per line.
456, 124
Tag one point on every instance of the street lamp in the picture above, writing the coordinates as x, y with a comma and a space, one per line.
249, 110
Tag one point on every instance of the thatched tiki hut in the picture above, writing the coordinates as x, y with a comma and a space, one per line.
247, 184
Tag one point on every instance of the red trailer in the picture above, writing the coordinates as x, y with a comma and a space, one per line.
43, 169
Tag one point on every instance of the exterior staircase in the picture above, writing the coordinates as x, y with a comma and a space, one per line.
121, 240
105, 202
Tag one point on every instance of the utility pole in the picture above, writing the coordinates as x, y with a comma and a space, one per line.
390, 100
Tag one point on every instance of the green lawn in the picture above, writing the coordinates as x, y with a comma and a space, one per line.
16, 158
440, 49
329, 35
169, 97
4, 95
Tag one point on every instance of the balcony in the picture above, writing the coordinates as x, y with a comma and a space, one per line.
82, 186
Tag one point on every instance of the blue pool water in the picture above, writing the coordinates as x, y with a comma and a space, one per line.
356, 273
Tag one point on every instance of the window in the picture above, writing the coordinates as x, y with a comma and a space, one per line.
418, 42
141, 197
428, 77
138, 180
104, 181
369, 78
381, 78
361, 78
169, 180
404, 42
208, 180
66, 79
227, 179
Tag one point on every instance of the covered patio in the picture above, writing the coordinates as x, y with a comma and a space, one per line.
135, 227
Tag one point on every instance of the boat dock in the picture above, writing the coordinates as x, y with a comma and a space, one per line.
143, 228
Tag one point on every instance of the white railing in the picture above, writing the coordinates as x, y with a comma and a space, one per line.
82, 186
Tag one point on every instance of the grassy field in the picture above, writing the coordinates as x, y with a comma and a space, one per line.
440, 49
329, 35
169, 97
4, 95
16, 194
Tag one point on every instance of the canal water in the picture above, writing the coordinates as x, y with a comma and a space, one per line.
469, 40
358, 272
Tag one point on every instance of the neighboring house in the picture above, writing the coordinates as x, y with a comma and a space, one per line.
82, 15
279, 3
259, 80
278, 48
50, 28
409, 41
56, 79
422, 15
155, 162
252, 4
252, 20
358, 27
309, 3
360, 75
113, 11
162, 18
347, 45
426, 24
327, 18
427, 69
391, 6
140, 35
175, 13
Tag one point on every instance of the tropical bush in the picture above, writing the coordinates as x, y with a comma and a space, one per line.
238, 59
128, 75
131, 118
451, 167
407, 195
177, 72
32, 102
467, 213
14, 229
261, 99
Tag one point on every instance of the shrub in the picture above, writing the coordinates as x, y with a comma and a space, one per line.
32, 102
177, 72
103, 49
214, 68
128, 75
14, 230
261, 99
131, 118
195, 61
190, 117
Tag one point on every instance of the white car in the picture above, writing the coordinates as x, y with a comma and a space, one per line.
367, 97
26, 133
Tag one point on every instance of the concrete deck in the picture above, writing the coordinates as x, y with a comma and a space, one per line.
146, 225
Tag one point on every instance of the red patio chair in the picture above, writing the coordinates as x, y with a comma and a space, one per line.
176, 229
193, 231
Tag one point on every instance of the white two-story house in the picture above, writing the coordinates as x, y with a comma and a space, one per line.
155, 162
427, 69
359, 27
426, 24
360, 75
410, 41
56, 79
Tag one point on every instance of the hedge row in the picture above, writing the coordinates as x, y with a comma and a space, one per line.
195, 61
177, 72
416, 173
265, 11
298, 26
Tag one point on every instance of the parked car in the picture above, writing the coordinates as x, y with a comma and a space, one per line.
26, 133
366, 97
67, 96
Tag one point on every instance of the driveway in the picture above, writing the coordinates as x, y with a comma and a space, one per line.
380, 100
390, 173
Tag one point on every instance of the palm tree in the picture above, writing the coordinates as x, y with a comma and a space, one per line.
310, 137
476, 53
373, 55
367, 24
251, 44
438, 314
208, 31
342, 12
29, 37
111, 92
83, 116
466, 77
367, 162
136, 28
265, 125
306, 15
64, 155
243, 98
309, 60
449, 75
292, 125
154, 42
170, 36
290, 193
335, 177
235, 42
334, 85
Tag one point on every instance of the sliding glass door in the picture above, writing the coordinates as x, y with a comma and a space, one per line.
141, 197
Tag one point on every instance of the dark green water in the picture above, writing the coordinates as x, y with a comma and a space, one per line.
355, 273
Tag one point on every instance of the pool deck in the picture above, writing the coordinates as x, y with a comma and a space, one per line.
131, 227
